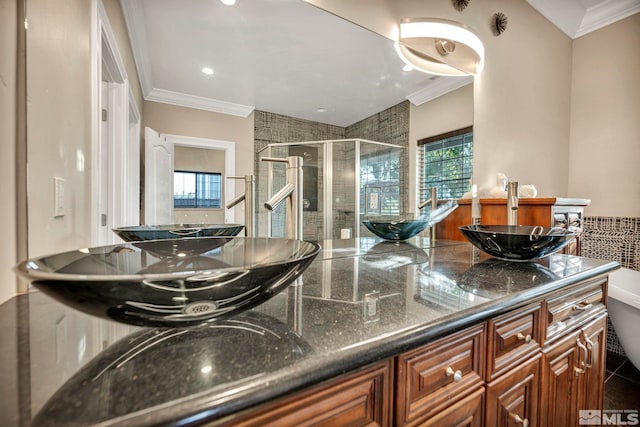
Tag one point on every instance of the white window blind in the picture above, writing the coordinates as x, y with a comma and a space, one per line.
446, 163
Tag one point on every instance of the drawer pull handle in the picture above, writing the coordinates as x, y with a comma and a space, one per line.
582, 306
584, 360
527, 338
524, 422
589, 344
457, 375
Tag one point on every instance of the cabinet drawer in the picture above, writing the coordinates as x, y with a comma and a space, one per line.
568, 308
513, 337
433, 377
362, 398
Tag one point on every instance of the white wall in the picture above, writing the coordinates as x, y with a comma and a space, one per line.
605, 119
8, 56
449, 112
522, 98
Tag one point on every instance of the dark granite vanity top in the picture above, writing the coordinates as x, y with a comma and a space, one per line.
362, 300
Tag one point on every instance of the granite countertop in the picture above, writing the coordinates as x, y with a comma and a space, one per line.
361, 301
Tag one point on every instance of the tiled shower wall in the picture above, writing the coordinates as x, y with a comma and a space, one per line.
272, 128
614, 239
390, 126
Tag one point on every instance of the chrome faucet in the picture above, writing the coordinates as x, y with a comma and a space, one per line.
292, 192
249, 198
433, 199
512, 203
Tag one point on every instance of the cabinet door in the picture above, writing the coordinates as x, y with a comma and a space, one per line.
360, 399
594, 335
561, 364
465, 413
512, 399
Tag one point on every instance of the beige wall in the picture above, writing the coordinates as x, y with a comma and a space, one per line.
8, 56
521, 98
59, 117
199, 160
444, 114
59, 122
174, 120
605, 119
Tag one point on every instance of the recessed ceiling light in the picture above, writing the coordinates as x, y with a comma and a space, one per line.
228, 2
208, 71
321, 110
408, 67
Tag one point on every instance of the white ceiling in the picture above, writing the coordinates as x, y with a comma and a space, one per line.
291, 58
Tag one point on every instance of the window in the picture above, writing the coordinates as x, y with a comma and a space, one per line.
446, 163
380, 178
197, 190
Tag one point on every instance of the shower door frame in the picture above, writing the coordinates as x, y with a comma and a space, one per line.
327, 174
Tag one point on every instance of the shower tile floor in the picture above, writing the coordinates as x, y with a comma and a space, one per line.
622, 383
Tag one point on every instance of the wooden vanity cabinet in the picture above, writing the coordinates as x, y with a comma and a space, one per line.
573, 360
362, 398
536, 365
439, 375
512, 399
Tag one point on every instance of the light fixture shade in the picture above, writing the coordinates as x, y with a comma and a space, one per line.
441, 47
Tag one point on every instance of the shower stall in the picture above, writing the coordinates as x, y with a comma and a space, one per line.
345, 181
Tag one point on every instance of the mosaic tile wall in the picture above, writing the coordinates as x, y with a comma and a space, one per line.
614, 239
276, 128
390, 125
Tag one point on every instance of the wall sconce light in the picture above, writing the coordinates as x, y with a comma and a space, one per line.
440, 46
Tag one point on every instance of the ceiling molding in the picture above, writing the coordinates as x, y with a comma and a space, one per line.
579, 17
134, 19
438, 88
606, 14
199, 102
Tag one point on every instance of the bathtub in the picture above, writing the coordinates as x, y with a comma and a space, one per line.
624, 310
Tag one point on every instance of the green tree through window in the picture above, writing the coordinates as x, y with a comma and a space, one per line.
446, 163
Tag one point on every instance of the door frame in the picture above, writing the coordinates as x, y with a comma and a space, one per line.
229, 149
124, 143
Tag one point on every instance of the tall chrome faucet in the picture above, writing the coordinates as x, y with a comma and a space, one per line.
292, 192
433, 199
512, 203
249, 198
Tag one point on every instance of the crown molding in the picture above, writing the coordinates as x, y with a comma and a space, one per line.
606, 14
134, 20
438, 88
575, 19
199, 102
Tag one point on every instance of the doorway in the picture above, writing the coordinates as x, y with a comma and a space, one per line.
159, 170
116, 139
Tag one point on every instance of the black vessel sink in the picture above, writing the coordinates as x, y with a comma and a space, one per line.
396, 230
171, 282
403, 229
176, 231
517, 242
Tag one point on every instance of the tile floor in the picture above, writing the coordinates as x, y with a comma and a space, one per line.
622, 383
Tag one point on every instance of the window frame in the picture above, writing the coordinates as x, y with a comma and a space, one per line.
197, 173
441, 138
